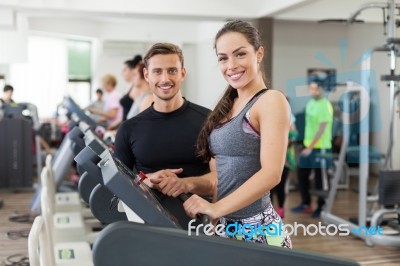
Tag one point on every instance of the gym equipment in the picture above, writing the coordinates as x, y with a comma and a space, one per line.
17, 135
73, 143
42, 252
135, 194
91, 188
87, 161
90, 185
117, 245
392, 47
86, 185
103, 205
16, 153
62, 226
62, 162
74, 108
124, 243
173, 205
64, 201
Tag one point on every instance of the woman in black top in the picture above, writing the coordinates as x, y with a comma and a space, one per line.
127, 72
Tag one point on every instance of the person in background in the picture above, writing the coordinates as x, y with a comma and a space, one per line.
97, 104
112, 111
317, 141
128, 74
8, 91
143, 97
290, 164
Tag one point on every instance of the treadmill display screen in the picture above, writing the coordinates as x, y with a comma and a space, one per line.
90, 135
134, 177
73, 107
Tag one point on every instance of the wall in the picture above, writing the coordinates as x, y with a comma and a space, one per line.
13, 41
4, 70
210, 84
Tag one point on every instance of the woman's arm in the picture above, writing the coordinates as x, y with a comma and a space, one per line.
270, 114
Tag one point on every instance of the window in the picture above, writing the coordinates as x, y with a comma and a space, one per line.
79, 71
42, 80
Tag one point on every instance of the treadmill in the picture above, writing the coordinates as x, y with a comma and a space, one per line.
70, 146
162, 240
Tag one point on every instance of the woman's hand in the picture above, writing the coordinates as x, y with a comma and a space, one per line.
197, 205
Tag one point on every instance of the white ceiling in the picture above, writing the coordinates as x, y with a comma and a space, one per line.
312, 10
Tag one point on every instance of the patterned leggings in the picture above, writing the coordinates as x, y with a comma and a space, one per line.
265, 227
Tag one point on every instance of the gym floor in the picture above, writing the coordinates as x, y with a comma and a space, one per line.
341, 246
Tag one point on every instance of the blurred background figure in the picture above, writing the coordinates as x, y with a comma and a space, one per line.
290, 165
128, 75
143, 97
97, 104
317, 141
8, 91
112, 111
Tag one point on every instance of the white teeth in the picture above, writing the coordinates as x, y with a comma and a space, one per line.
236, 76
165, 87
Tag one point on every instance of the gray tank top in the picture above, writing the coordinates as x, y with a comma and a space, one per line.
237, 158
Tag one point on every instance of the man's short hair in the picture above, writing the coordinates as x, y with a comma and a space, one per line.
99, 91
165, 49
8, 88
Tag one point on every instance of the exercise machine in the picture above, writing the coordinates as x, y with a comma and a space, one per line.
71, 145
18, 144
161, 239
61, 164
389, 181
92, 189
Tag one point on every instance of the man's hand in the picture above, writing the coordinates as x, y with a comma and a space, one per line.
305, 152
168, 182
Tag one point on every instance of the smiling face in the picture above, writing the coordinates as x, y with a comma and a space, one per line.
165, 76
238, 60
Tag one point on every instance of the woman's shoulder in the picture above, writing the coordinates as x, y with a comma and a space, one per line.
273, 101
273, 96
